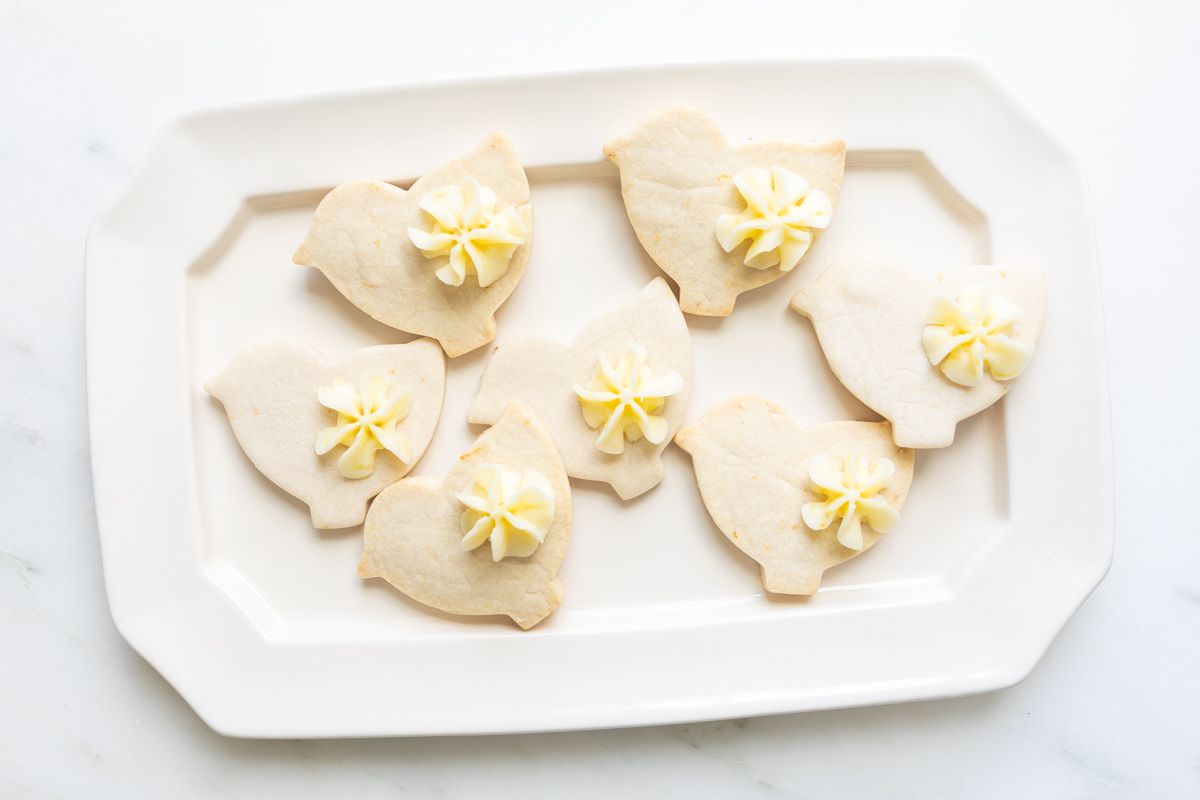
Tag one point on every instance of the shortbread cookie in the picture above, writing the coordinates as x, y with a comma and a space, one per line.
925, 350
489, 538
437, 259
333, 434
796, 500
721, 220
613, 399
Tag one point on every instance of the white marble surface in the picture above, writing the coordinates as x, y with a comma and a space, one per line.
1111, 710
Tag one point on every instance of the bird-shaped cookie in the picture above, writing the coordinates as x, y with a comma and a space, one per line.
333, 433
489, 537
437, 259
612, 399
796, 500
719, 219
925, 350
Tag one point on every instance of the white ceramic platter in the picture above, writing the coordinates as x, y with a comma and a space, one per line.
261, 622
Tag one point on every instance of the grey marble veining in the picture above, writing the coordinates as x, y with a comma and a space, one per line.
1110, 712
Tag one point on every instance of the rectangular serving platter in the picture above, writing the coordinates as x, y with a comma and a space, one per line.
218, 579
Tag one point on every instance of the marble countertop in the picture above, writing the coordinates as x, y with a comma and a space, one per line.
1110, 711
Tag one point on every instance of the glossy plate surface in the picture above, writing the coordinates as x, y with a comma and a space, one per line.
261, 623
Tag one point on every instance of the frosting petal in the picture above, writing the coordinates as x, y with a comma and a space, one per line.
874, 478
815, 210
612, 436
878, 514
341, 397
655, 429
329, 438
478, 532
824, 474
849, 533
359, 459
962, 366
430, 240
818, 516
394, 443
793, 249
1005, 358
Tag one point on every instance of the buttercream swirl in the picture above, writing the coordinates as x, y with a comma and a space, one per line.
851, 491
968, 333
512, 508
366, 422
466, 228
782, 212
623, 400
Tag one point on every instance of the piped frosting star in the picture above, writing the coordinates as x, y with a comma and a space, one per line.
513, 508
851, 491
466, 228
623, 400
782, 211
366, 422
969, 333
